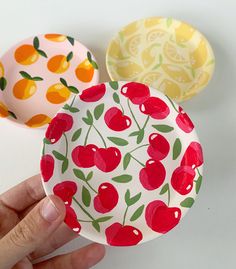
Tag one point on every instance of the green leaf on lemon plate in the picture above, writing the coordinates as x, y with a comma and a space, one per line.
188, 202
122, 178
138, 212
177, 148
98, 111
86, 197
118, 141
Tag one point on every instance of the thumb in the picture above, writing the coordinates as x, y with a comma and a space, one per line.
32, 231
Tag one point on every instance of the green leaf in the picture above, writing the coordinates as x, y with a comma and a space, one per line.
42, 53
63, 82
126, 160
188, 202
66, 107
73, 109
198, 184
36, 43
134, 133
163, 128
138, 212
98, 111
118, 141
177, 148
71, 40
89, 176
114, 85
79, 174
58, 155
94, 64
131, 200
89, 56
3, 83
89, 119
76, 135
164, 189
103, 219
25, 75
116, 98
96, 226
169, 22
13, 115
46, 141
140, 136
86, 197
73, 89
37, 79
64, 166
69, 56
122, 178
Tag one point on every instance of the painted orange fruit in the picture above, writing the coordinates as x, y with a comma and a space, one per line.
38, 121
58, 93
60, 63
3, 111
28, 54
26, 87
55, 37
85, 70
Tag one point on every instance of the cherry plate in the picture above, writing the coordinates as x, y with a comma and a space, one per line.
39, 74
127, 163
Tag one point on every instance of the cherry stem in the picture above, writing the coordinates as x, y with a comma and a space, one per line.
72, 101
133, 115
81, 220
172, 104
198, 172
123, 111
81, 207
103, 140
86, 137
91, 187
43, 148
145, 124
139, 147
123, 223
137, 160
168, 192
66, 144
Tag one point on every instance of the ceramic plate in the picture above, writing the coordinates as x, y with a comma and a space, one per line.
164, 53
39, 74
128, 165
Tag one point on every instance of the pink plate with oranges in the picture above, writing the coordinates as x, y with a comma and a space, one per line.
39, 74
127, 163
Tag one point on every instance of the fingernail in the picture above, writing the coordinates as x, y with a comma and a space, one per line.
49, 211
95, 254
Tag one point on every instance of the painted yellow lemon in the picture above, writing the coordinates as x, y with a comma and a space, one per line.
154, 35
188, 95
38, 121
173, 53
184, 32
150, 22
130, 29
1, 70
132, 45
176, 72
199, 56
57, 93
128, 69
149, 55
170, 88
3, 111
201, 81
151, 79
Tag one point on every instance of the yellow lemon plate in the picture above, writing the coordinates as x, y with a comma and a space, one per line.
164, 53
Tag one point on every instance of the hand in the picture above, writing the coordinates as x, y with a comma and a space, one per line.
31, 226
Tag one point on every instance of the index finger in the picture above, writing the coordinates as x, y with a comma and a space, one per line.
24, 194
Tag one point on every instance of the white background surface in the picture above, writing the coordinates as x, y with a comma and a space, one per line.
206, 238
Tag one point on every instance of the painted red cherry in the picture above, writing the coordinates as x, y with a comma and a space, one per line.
93, 93
47, 167
83, 156
59, 124
115, 119
65, 190
152, 175
136, 92
193, 155
159, 147
182, 179
155, 107
119, 235
106, 199
71, 219
161, 218
107, 159
184, 122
